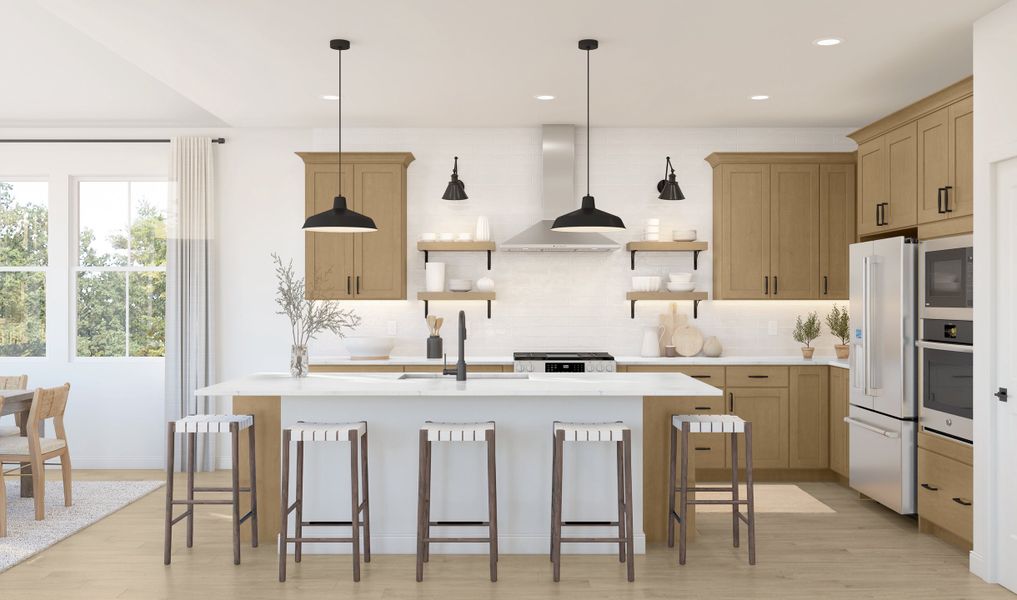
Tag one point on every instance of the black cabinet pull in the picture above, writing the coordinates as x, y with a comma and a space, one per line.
348, 289
766, 285
879, 220
946, 199
700, 376
962, 502
731, 397
929, 487
826, 285
939, 200
759, 376
702, 408
703, 448
774, 285
358, 284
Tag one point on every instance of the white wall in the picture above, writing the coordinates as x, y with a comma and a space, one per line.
995, 46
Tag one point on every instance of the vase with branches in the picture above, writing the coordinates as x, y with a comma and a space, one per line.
806, 331
307, 318
839, 323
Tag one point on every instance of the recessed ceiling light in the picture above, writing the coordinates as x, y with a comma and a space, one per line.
330, 97
759, 97
831, 41
544, 97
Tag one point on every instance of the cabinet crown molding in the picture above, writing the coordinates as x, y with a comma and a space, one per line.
811, 158
331, 158
912, 112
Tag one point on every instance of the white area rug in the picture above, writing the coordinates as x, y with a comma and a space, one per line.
93, 500
769, 498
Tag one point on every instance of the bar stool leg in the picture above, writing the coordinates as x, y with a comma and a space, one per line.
235, 440
629, 538
254, 485
554, 461
620, 446
192, 448
427, 499
556, 499
749, 494
355, 502
168, 532
492, 503
684, 495
734, 487
284, 497
672, 485
298, 527
366, 496
421, 483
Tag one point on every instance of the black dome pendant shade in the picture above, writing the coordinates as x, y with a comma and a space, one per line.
668, 187
456, 189
340, 219
588, 218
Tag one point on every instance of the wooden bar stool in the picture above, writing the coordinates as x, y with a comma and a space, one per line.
620, 434
455, 433
192, 426
326, 432
684, 425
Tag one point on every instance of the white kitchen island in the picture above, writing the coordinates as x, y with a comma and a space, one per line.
395, 405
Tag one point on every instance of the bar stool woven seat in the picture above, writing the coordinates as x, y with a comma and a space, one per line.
325, 432
592, 432
213, 423
710, 423
457, 432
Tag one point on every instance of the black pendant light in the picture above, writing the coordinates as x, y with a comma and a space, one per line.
668, 187
456, 189
340, 219
588, 217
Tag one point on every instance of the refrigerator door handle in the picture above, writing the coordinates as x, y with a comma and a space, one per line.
867, 427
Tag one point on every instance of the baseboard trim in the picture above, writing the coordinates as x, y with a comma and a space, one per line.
978, 566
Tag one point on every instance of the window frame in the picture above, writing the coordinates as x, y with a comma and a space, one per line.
74, 250
45, 270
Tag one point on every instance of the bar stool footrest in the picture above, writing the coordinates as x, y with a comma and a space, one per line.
329, 523
450, 540
589, 523
593, 540
319, 540
459, 523
224, 490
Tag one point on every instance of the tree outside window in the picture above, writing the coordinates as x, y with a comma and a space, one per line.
24, 221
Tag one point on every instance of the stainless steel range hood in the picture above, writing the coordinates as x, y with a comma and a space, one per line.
558, 197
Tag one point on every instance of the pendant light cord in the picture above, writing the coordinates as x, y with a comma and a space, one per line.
340, 128
587, 122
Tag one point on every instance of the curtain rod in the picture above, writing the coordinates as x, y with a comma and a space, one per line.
97, 141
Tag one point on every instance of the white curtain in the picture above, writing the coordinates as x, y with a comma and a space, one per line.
190, 255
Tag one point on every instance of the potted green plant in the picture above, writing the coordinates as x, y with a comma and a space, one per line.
806, 331
840, 326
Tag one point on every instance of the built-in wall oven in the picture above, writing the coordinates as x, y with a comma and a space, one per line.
945, 356
946, 286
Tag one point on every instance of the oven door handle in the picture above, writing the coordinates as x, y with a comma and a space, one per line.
873, 429
945, 347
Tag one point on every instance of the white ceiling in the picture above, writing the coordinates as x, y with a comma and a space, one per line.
476, 63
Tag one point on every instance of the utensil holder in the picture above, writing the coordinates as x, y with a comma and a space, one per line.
434, 346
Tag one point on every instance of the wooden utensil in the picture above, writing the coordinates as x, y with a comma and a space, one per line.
688, 340
437, 324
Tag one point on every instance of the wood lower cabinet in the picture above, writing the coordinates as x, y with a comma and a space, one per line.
945, 499
836, 229
809, 415
357, 266
840, 399
767, 409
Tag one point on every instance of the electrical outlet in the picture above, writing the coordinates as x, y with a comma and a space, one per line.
771, 327
391, 328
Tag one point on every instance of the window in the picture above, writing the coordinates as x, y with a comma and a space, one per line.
120, 278
24, 219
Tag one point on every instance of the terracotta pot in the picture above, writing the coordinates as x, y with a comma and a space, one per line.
842, 350
808, 352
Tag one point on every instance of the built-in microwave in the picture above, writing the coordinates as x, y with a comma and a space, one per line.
945, 284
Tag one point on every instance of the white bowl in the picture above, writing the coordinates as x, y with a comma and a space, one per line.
465, 237
653, 221
368, 347
646, 283
460, 285
673, 286
446, 237
679, 277
428, 237
683, 235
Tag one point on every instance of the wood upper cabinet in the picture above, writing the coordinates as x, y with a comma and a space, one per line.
358, 266
782, 225
836, 229
809, 414
767, 409
872, 184
840, 396
933, 161
960, 200
900, 205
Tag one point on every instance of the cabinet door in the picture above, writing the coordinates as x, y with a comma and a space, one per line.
328, 257
742, 222
836, 229
709, 448
933, 158
839, 399
872, 183
960, 199
902, 184
809, 439
380, 257
794, 231
767, 410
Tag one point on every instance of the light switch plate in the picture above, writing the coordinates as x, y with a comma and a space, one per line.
771, 327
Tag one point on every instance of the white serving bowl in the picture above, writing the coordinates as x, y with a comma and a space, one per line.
460, 285
683, 235
679, 277
368, 347
446, 237
646, 283
428, 237
465, 237
673, 286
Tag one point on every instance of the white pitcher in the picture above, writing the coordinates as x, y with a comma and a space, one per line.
651, 341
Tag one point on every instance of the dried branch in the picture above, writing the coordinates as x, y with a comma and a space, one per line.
308, 318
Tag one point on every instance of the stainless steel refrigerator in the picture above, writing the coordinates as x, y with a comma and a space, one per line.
884, 410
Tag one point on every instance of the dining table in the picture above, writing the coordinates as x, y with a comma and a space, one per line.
18, 403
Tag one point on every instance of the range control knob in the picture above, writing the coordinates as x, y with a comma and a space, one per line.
519, 366
529, 366
600, 366
610, 366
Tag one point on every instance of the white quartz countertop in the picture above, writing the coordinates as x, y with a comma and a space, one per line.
621, 360
480, 384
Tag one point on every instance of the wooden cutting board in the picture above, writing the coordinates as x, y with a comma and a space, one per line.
688, 340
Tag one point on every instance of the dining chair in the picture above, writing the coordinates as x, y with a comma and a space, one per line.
11, 382
48, 403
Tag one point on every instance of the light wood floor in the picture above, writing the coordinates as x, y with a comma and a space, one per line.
862, 551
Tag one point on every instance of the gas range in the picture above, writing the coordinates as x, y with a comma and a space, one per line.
563, 362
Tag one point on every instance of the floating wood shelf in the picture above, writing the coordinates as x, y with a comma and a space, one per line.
428, 247
456, 296
695, 297
694, 247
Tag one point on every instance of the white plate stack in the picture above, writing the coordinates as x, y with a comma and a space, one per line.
651, 232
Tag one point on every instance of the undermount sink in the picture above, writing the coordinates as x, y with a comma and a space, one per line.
468, 376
